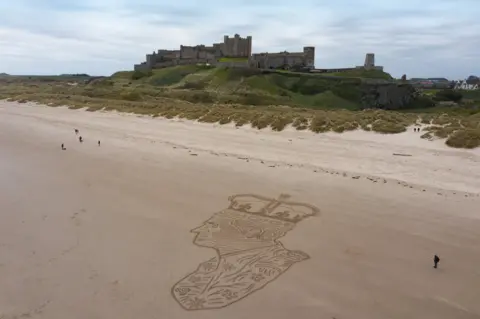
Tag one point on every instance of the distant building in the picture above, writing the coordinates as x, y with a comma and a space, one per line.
432, 83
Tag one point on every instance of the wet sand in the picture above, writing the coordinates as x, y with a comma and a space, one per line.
104, 232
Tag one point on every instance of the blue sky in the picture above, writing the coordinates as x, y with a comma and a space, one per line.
418, 38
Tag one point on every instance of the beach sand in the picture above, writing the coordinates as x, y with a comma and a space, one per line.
105, 231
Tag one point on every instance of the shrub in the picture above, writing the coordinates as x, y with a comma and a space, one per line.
443, 119
195, 85
193, 114
309, 86
468, 138
426, 136
257, 99
131, 96
350, 126
444, 132
339, 128
213, 116
280, 122
448, 95
137, 75
421, 102
200, 97
382, 126
225, 120
262, 121
171, 75
426, 119
348, 92
320, 123
300, 123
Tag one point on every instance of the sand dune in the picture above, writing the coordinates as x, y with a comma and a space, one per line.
105, 232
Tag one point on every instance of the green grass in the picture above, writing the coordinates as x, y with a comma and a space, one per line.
233, 59
362, 73
252, 86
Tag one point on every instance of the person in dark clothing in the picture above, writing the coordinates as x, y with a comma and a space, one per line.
76, 131
436, 260
80, 139
63, 147
98, 143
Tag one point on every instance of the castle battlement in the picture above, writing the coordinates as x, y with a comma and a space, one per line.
239, 49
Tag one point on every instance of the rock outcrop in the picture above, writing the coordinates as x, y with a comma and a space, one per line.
389, 96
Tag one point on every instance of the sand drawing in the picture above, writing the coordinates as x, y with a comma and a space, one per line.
249, 256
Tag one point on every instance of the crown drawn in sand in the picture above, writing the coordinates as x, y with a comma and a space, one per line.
280, 209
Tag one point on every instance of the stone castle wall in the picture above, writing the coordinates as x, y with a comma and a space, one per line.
284, 59
231, 47
238, 47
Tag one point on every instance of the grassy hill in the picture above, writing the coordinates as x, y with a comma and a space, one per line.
252, 87
273, 99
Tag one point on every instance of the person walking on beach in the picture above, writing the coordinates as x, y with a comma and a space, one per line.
80, 139
63, 147
99, 143
76, 131
436, 260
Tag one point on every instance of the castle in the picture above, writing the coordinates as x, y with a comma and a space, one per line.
237, 52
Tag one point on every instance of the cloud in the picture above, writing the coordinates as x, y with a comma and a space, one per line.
436, 38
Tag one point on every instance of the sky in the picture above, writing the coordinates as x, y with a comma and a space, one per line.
429, 38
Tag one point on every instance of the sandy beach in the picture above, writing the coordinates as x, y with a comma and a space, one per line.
309, 225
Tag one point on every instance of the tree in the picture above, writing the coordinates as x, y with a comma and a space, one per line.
472, 80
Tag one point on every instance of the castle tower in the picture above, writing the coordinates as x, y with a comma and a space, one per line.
226, 47
237, 46
369, 61
151, 59
309, 53
249, 46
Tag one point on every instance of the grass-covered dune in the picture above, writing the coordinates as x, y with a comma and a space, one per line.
260, 98
257, 87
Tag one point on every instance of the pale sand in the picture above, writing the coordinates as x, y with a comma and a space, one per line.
104, 232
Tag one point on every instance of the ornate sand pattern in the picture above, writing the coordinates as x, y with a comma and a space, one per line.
249, 255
